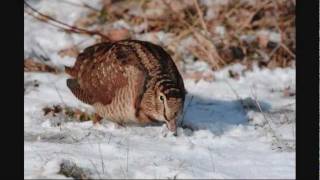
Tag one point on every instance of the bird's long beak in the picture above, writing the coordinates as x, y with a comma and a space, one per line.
172, 126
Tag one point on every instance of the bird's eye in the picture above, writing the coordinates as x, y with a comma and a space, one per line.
161, 98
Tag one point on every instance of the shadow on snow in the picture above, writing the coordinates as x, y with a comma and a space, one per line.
216, 115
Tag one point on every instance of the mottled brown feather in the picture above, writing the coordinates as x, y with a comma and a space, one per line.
99, 70
78, 92
102, 70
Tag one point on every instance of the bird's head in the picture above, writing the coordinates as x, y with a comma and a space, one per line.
164, 104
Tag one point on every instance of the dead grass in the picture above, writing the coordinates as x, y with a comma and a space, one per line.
239, 19
70, 113
279, 142
31, 65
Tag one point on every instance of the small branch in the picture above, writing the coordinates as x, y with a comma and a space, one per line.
62, 25
281, 32
211, 160
44, 20
95, 168
128, 148
287, 49
83, 5
248, 21
208, 48
200, 14
238, 97
109, 138
278, 140
101, 158
203, 40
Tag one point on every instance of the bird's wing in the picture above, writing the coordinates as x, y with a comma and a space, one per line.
103, 76
88, 53
75, 88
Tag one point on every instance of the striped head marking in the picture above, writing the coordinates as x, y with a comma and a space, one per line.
164, 104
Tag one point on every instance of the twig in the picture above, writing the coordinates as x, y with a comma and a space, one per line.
101, 158
200, 14
45, 56
287, 49
278, 140
280, 31
84, 5
44, 20
206, 44
208, 47
145, 19
53, 83
179, 37
238, 97
211, 160
80, 139
60, 97
273, 51
66, 27
230, 11
128, 148
203, 39
248, 21
95, 167
125, 175
109, 138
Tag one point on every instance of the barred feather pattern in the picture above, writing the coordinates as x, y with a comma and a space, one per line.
122, 79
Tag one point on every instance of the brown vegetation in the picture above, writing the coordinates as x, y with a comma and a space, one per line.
224, 32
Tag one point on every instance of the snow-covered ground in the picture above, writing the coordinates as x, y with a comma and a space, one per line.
223, 139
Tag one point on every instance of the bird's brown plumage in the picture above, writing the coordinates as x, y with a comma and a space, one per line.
120, 79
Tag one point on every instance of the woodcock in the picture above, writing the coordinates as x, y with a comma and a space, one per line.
129, 81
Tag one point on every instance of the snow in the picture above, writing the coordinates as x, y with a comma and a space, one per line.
223, 143
45, 39
272, 36
222, 140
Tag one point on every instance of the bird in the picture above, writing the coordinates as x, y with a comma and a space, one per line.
129, 81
